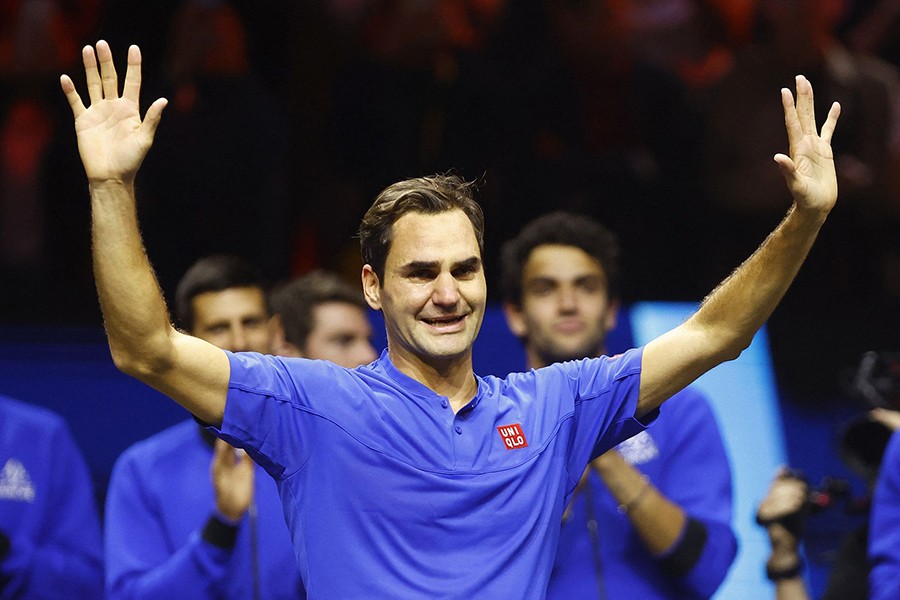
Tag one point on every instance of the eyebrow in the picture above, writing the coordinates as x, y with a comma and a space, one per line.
433, 264
469, 263
578, 279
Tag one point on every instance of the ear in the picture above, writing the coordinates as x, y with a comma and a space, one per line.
371, 287
515, 319
612, 314
280, 345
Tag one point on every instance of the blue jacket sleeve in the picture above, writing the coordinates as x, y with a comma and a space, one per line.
140, 559
697, 477
884, 527
64, 553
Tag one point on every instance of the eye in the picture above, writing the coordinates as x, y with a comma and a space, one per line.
591, 285
541, 287
466, 272
421, 275
345, 341
254, 322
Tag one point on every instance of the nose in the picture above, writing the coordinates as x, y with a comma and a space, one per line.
445, 291
566, 300
239, 339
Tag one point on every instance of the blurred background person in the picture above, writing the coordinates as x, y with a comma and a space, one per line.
50, 543
650, 518
868, 447
188, 516
884, 529
321, 316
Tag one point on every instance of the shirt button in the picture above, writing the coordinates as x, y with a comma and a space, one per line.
458, 429
444, 403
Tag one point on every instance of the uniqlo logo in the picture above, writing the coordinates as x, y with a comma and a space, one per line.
512, 435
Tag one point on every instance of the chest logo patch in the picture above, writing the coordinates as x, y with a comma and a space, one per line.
512, 436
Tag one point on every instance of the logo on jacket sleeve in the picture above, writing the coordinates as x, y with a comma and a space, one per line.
512, 436
15, 484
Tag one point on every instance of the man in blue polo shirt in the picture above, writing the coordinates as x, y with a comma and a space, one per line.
49, 525
650, 519
186, 515
412, 477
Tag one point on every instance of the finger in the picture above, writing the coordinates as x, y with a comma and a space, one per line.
789, 172
153, 117
132, 89
107, 71
244, 460
831, 122
787, 166
72, 96
791, 121
91, 74
222, 454
805, 106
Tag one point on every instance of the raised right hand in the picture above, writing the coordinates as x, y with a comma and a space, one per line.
112, 139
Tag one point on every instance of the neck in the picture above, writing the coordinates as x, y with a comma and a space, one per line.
452, 377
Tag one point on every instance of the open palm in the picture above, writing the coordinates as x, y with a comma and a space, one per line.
809, 170
112, 138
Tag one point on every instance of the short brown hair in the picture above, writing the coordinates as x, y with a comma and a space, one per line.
563, 229
428, 195
215, 273
295, 301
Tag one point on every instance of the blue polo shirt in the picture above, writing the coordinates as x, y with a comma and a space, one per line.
389, 494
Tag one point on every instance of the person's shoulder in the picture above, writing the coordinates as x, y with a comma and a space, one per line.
171, 441
29, 415
892, 452
689, 402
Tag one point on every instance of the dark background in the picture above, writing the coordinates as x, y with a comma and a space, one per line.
658, 117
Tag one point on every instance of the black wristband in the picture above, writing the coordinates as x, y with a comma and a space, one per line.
219, 533
789, 573
689, 550
4, 545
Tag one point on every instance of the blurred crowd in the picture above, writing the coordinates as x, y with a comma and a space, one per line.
286, 119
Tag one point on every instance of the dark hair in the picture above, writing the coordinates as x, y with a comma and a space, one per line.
564, 229
213, 274
428, 195
296, 300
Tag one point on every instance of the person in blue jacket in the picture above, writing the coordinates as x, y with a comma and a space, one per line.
884, 526
50, 543
413, 477
188, 516
651, 518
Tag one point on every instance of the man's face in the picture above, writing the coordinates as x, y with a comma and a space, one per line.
434, 292
342, 334
565, 312
234, 319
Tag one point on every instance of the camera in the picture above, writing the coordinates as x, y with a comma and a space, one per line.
876, 382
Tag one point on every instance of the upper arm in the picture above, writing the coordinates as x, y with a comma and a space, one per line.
674, 360
195, 374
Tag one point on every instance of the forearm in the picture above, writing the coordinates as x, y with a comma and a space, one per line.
784, 565
729, 317
142, 341
134, 312
740, 305
657, 521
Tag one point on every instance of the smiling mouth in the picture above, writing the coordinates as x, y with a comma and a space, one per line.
444, 321
569, 326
